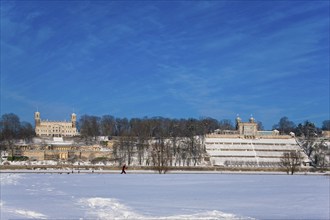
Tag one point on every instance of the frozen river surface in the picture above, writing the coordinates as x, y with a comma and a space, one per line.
172, 196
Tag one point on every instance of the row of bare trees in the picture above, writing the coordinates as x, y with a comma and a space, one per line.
161, 146
158, 142
107, 125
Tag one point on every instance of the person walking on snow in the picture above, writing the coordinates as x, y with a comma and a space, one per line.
123, 169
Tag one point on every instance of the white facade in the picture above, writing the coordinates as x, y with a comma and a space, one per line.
248, 147
249, 152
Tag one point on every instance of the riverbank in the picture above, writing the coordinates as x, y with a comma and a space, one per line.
148, 170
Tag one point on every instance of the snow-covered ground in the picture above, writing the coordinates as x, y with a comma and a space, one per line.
171, 196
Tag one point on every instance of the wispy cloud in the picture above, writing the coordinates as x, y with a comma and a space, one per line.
180, 59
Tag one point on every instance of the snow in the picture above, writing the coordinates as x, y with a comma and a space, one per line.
104, 208
170, 196
49, 162
9, 179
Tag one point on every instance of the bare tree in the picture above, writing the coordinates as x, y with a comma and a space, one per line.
285, 126
107, 125
118, 152
160, 155
321, 155
142, 145
89, 127
291, 161
184, 154
10, 130
260, 126
124, 149
192, 149
307, 140
226, 124
122, 126
192, 142
326, 125
26, 131
129, 145
140, 130
210, 124
160, 149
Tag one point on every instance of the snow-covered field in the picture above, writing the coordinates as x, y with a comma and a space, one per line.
170, 196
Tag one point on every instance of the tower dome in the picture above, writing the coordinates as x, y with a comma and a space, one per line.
73, 119
238, 119
37, 118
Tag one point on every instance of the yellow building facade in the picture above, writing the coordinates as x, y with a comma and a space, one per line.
45, 128
247, 129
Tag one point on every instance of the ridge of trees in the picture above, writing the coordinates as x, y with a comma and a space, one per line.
92, 126
107, 125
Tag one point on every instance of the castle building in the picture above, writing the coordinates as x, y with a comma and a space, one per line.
45, 128
247, 129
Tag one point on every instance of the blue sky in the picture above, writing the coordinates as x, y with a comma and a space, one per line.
174, 59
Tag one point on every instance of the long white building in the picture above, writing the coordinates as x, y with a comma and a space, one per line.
248, 147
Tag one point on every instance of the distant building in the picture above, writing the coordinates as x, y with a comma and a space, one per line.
45, 128
248, 147
245, 130
326, 134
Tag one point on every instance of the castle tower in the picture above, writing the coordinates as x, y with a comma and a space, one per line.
251, 120
73, 120
238, 121
37, 118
